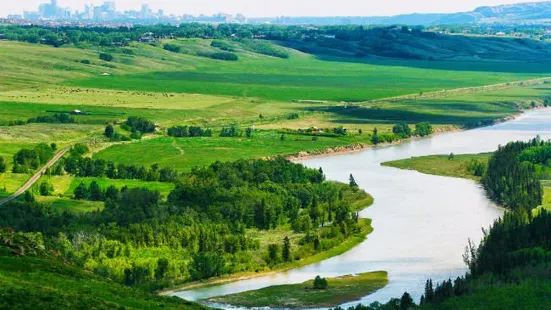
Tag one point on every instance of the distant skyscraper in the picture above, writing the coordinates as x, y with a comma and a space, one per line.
54, 3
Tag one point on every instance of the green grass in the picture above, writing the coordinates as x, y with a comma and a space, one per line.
302, 77
46, 283
441, 164
340, 290
527, 294
186, 153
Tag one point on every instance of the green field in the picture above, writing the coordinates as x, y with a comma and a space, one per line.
441, 164
186, 153
340, 290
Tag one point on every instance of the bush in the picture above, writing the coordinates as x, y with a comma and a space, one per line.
46, 189
222, 45
85, 61
220, 56
106, 57
292, 116
172, 48
320, 283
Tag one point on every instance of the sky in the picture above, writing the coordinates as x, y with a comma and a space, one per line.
269, 8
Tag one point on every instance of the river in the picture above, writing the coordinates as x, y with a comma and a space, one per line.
422, 222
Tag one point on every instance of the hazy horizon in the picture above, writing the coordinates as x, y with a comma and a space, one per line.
262, 8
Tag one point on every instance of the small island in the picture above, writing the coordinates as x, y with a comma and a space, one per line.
317, 293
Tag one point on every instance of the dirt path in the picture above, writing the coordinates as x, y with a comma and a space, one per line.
174, 145
35, 177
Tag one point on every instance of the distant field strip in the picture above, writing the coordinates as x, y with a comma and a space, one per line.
464, 90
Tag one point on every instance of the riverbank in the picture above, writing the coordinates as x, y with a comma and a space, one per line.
339, 290
360, 147
458, 167
346, 245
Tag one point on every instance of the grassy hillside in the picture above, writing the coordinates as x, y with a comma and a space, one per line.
31, 281
303, 77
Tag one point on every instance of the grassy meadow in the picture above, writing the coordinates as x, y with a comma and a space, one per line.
186, 89
441, 164
340, 290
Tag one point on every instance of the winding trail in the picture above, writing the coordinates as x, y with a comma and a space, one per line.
35, 177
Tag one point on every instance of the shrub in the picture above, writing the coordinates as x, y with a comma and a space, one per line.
222, 45
106, 57
172, 48
46, 189
85, 61
320, 283
220, 56
292, 116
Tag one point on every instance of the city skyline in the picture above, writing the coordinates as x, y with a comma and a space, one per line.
260, 8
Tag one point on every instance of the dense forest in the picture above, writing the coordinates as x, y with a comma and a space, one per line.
202, 229
511, 177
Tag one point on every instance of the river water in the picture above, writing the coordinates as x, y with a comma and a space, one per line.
422, 222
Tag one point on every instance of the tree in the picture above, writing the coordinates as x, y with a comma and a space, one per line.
282, 138
286, 254
423, 129
162, 268
320, 283
406, 302
206, 265
95, 192
375, 136
109, 131
402, 130
46, 189
274, 253
81, 192
352, 181
451, 156
3, 165
249, 132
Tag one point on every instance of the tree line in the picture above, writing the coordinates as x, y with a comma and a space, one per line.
28, 160
511, 182
189, 131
